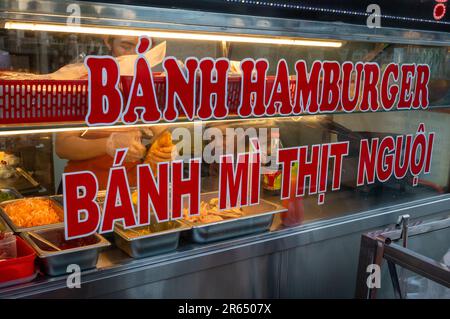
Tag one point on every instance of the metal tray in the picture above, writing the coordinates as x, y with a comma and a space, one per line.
54, 263
256, 219
152, 244
101, 195
17, 229
12, 192
22, 180
100, 199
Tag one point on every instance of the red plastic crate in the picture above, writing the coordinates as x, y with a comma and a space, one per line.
47, 101
20, 267
38, 101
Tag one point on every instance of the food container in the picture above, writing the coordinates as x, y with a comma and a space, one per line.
19, 269
100, 200
82, 251
161, 238
18, 229
12, 193
255, 219
101, 196
20, 180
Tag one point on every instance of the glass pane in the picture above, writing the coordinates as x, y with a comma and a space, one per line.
27, 163
27, 55
434, 245
418, 287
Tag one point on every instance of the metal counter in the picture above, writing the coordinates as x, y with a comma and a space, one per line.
318, 259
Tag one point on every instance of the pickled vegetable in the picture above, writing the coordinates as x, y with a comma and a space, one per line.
5, 196
33, 212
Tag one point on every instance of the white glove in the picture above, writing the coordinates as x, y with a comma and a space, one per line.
130, 140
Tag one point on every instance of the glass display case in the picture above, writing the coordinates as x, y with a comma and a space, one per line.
43, 134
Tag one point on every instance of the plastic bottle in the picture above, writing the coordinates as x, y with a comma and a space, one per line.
295, 214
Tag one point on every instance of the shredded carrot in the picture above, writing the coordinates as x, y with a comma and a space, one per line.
32, 212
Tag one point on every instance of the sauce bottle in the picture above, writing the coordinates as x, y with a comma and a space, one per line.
295, 209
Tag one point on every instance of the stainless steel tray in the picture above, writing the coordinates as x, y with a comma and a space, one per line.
152, 244
101, 195
21, 180
257, 218
12, 192
100, 198
54, 263
17, 229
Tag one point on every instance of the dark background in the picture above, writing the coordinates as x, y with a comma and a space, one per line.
418, 9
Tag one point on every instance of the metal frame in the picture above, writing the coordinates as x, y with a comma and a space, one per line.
179, 19
376, 247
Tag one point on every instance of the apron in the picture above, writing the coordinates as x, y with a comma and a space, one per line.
100, 166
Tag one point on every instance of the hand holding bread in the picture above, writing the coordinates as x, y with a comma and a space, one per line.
162, 150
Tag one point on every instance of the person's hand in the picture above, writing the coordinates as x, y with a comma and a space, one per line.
162, 153
162, 150
130, 140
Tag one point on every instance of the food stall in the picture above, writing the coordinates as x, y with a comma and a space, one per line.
287, 247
